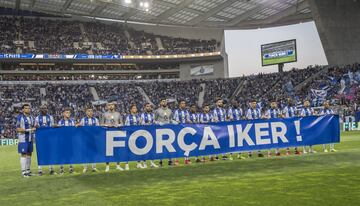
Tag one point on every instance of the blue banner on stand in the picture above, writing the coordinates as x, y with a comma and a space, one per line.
77, 145
59, 56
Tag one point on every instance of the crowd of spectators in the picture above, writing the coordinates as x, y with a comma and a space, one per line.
11, 98
123, 94
56, 36
49, 36
176, 90
78, 97
87, 66
67, 77
85, 71
7, 35
340, 83
111, 38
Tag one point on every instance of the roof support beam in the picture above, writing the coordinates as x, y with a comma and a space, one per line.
291, 14
287, 13
66, 5
173, 10
247, 14
131, 12
212, 12
253, 24
172, 5
164, 3
98, 9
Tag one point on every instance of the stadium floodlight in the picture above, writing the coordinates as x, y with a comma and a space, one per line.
141, 4
146, 4
128, 1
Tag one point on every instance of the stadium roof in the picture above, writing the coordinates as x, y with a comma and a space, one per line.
230, 14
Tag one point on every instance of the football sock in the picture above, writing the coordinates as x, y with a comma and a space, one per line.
23, 164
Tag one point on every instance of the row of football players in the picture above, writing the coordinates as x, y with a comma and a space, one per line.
26, 124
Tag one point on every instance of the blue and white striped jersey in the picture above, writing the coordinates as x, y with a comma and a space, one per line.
25, 122
219, 114
66, 122
235, 114
205, 118
193, 118
289, 111
44, 121
180, 115
273, 113
89, 121
306, 112
147, 118
326, 111
132, 120
253, 113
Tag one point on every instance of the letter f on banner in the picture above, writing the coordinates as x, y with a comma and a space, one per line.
111, 143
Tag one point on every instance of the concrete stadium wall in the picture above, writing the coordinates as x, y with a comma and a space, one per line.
173, 31
338, 24
184, 32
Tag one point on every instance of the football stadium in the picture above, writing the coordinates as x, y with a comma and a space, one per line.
179, 102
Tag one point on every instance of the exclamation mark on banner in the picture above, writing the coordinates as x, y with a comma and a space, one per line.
297, 127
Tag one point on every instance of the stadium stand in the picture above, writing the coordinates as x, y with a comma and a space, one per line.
39, 35
341, 85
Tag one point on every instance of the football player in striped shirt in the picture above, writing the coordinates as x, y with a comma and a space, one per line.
290, 111
180, 116
254, 113
133, 119
307, 111
204, 118
327, 111
148, 118
273, 112
44, 120
192, 118
219, 115
25, 128
235, 113
66, 121
89, 120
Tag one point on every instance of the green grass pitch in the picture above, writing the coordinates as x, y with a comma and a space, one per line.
316, 179
279, 60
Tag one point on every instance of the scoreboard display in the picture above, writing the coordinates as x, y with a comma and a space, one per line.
278, 52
